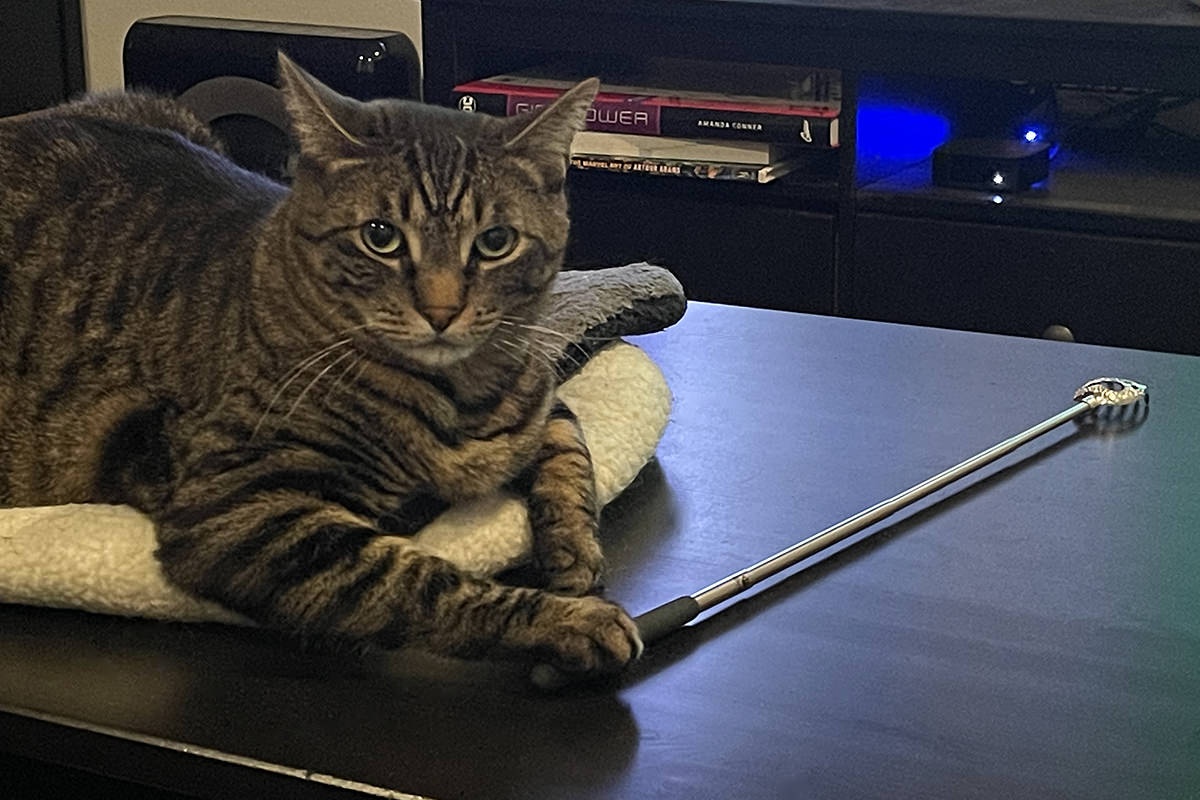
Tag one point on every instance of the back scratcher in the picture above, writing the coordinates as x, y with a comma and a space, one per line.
1115, 397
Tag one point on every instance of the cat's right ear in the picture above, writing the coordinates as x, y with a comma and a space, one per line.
322, 120
552, 129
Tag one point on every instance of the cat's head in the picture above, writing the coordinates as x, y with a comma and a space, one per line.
426, 230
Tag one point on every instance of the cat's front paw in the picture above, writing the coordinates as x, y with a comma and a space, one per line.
572, 571
584, 635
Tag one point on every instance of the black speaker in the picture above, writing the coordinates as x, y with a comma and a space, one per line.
225, 71
995, 165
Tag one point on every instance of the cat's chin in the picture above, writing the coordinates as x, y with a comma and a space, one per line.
437, 354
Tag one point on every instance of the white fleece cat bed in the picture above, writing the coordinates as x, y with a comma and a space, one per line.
100, 558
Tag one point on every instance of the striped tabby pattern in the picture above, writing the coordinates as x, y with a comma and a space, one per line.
288, 381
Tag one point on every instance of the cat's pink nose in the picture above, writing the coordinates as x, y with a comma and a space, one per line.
440, 317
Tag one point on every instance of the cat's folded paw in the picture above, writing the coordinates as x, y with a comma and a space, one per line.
585, 635
573, 572
574, 582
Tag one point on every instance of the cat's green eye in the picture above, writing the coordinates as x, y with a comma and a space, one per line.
496, 242
382, 237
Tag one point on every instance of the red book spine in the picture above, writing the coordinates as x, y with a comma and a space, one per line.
661, 116
612, 113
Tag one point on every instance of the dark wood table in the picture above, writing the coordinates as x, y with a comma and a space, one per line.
1031, 632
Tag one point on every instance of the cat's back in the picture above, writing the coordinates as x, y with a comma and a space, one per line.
135, 109
122, 145
105, 191
119, 203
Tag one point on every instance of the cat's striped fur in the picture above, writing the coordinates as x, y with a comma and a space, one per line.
278, 386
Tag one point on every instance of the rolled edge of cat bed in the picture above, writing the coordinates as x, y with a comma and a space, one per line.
100, 558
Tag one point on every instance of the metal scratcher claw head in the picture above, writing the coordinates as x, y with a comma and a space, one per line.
1117, 403
1111, 392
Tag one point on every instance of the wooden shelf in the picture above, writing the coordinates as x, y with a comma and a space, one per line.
1132, 194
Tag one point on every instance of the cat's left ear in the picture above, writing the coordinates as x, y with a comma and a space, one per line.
322, 120
553, 128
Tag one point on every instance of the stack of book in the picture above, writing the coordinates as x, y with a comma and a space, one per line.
699, 119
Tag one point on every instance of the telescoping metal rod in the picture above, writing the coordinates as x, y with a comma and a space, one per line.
674, 614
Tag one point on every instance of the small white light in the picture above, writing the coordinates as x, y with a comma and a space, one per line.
998, 179
1031, 136
997, 199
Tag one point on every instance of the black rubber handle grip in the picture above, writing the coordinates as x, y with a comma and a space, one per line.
667, 618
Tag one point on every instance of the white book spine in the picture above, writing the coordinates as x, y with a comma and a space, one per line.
622, 145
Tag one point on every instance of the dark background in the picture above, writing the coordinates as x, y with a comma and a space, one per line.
1108, 247
41, 55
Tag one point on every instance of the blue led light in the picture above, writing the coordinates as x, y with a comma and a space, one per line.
997, 199
1032, 136
894, 130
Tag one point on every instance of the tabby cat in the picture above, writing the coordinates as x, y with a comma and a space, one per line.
278, 377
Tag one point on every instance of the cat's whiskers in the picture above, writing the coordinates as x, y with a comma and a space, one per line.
529, 326
338, 381
534, 348
551, 332
518, 353
558, 356
518, 333
295, 372
569, 344
548, 350
342, 334
313, 383
505, 331
362, 368
344, 331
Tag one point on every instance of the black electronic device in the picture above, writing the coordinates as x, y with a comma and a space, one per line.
225, 71
995, 165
